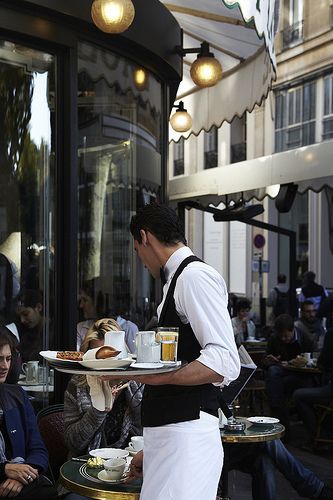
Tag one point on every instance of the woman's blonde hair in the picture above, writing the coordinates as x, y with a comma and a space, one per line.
98, 331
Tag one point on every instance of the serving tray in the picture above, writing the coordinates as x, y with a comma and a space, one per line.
123, 372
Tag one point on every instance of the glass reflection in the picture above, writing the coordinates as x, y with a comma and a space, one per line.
26, 207
120, 169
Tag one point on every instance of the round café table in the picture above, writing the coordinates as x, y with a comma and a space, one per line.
74, 477
252, 434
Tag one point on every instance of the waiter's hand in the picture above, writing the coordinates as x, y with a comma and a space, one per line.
135, 470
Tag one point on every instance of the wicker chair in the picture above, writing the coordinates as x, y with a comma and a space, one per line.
325, 413
51, 426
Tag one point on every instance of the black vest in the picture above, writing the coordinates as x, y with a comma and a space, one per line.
167, 404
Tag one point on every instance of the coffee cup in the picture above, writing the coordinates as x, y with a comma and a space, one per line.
307, 356
30, 369
114, 468
136, 443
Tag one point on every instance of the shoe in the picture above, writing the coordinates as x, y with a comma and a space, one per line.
326, 493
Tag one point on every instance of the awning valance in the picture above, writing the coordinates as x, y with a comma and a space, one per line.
241, 35
310, 167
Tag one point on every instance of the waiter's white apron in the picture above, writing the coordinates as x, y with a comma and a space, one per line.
182, 461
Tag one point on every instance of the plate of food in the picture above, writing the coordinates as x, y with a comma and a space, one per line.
263, 420
105, 358
107, 453
62, 356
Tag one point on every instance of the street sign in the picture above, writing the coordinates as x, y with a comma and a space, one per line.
259, 241
264, 266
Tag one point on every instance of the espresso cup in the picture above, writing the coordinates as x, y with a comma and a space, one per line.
114, 468
136, 443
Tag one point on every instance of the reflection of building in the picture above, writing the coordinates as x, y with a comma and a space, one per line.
288, 139
101, 154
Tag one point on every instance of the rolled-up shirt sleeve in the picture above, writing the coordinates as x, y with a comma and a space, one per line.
201, 299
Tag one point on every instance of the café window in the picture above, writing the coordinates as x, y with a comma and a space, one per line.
178, 157
328, 108
295, 117
119, 157
27, 213
210, 148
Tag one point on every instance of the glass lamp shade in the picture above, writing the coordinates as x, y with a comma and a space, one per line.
112, 16
181, 121
206, 71
140, 78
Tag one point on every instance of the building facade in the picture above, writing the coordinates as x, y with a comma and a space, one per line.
285, 141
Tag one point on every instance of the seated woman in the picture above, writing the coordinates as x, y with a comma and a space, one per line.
23, 456
242, 325
97, 413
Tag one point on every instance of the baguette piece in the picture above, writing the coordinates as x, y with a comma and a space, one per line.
106, 351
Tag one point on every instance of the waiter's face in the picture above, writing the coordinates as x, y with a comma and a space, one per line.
147, 255
5, 359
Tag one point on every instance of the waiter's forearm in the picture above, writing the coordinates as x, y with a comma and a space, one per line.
195, 373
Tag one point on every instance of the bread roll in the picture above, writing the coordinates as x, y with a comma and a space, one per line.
106, 351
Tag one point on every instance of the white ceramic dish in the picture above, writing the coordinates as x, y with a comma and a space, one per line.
147, 366
131, 451
52, 357
106, 453
107, 364
263, 420
103, 477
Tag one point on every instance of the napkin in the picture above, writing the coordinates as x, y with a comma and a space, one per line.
100, 392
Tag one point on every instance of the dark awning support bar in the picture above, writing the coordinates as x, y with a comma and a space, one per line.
224, 215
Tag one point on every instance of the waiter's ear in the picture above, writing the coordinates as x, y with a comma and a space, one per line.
144, 237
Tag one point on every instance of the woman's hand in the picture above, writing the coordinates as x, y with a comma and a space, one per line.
135, 469
10, 488
24, 473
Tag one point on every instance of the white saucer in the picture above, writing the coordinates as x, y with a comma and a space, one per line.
147, 366
131, 450
263, 420
103, 477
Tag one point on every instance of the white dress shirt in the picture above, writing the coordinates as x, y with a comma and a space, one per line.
201, 299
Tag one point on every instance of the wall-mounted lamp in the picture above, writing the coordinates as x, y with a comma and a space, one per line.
206, 70
140, 78
112, 16
181, 120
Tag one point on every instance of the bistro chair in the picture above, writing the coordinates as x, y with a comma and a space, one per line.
50, 422
324, 422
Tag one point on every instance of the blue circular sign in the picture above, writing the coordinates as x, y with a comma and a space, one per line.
259, 241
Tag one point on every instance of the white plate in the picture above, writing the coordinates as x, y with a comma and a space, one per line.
263, 420
106, 364
52, 356
106, 453
147, 366
103, 477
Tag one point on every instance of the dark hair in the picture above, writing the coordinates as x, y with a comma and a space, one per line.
90, 287
308, 277
307, 302
30, 298
282, 278
161, 221
7, 338
242, 304
284, 322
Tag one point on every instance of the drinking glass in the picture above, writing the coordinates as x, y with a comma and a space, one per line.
168, 337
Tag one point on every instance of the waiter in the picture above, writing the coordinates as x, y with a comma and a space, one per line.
183, 454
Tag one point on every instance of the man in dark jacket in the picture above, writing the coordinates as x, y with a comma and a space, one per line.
23, 456
285, 345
